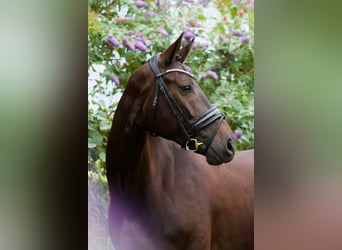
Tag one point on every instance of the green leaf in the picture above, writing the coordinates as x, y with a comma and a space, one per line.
98, 139
202, 18
104, 125
233, 12
102, 103
102, 156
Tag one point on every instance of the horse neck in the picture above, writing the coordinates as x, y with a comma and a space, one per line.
132, 160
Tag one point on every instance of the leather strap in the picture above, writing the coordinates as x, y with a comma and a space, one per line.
188, 129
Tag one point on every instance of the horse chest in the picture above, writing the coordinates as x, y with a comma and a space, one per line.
134, 235
167, 225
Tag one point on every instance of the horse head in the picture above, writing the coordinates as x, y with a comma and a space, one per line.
174, 107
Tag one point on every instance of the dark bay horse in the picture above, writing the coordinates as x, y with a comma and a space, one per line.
165, 194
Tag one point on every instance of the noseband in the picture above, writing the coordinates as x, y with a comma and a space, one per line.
189, 129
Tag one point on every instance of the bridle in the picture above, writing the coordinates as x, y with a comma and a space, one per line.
189, 129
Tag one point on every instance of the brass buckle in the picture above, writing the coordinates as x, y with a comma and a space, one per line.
192, 145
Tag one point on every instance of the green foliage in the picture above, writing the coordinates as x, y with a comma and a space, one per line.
224, 45
217, 49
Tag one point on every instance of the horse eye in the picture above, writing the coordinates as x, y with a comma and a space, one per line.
186, 88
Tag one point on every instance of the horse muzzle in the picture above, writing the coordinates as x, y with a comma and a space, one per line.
219, 153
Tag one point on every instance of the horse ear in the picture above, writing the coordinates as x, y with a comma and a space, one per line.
184, 52
168, 56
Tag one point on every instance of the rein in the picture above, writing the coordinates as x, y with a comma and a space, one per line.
188, 129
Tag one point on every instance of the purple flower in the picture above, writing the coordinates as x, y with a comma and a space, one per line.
250, 4
210, 74
131, 32
125, 40
188, 35
223, 38
140, 4
128, 44
238, 133
245, 40
151, 13
204, 45
237, 33
139, 45
204, 75
204, 3
115, 79
141, 39
194, 23
162, 32
123, 19
112, 41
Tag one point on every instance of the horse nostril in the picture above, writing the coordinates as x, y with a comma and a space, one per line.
230, 145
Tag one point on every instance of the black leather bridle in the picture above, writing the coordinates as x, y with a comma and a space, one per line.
189, 129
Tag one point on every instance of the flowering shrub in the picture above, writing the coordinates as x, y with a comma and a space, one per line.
123, 34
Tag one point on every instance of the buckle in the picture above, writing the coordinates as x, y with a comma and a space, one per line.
192, 145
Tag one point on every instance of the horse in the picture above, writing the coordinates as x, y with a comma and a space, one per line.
175, 179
